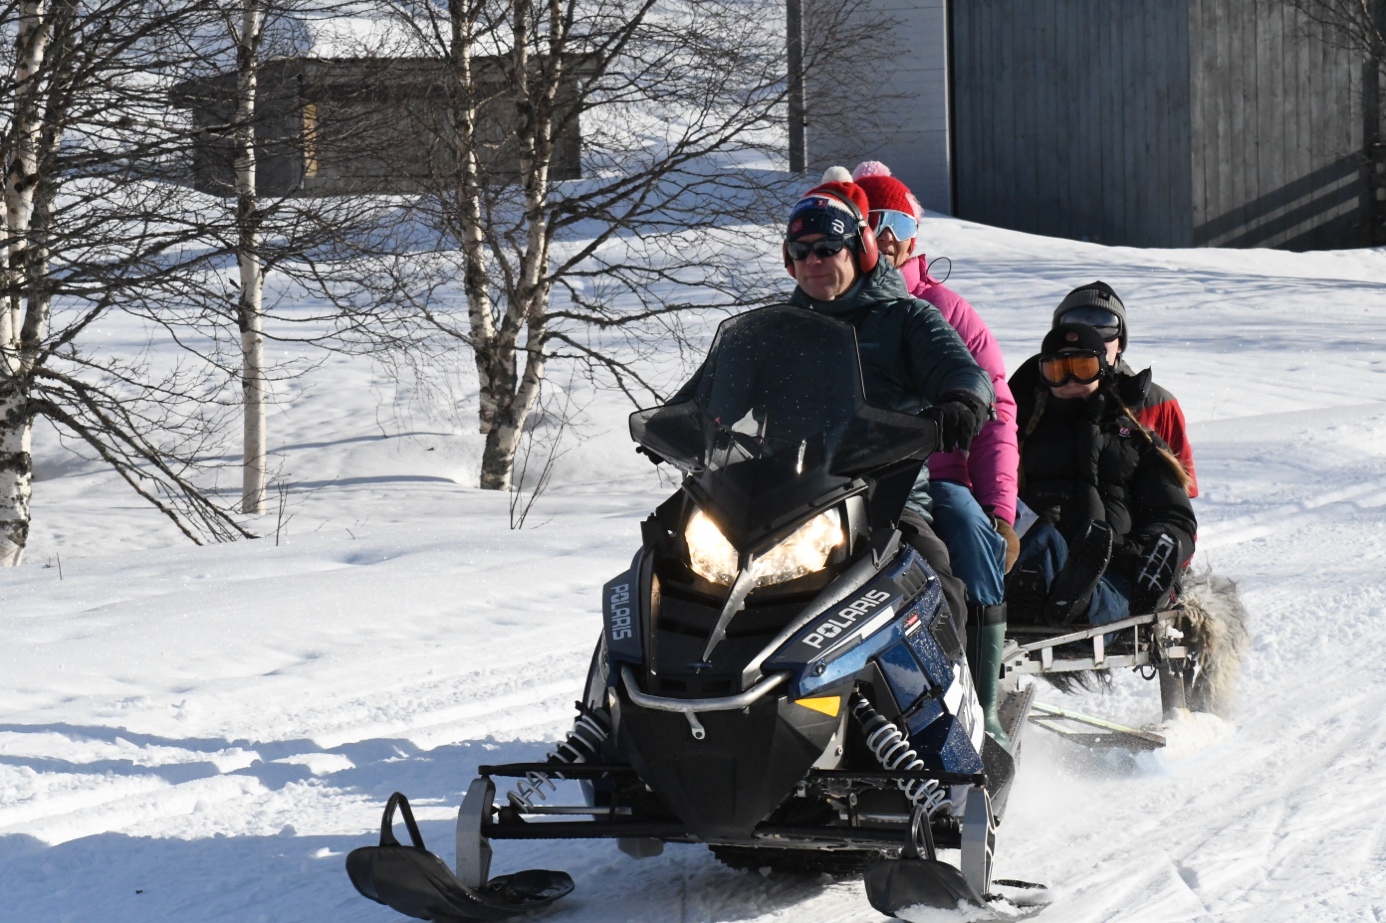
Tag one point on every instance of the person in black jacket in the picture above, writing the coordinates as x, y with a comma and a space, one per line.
912, 361
1115, 526
1099, 305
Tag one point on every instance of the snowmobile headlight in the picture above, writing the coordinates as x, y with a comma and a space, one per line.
806, 551
710, 555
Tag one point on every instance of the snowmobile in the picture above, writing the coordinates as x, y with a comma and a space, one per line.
778, 677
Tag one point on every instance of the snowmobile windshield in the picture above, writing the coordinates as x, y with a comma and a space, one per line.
775, 424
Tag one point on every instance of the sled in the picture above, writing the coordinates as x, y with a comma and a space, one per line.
1192, 648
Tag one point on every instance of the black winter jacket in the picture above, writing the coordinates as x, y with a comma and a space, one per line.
910, 355
1086, 459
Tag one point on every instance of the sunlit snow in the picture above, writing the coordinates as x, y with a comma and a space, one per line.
201, 734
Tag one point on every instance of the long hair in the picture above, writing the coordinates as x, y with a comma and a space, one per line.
1155, 441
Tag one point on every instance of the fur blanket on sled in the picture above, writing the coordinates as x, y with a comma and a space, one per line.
1216, 629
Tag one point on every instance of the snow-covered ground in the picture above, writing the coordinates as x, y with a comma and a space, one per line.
203, 733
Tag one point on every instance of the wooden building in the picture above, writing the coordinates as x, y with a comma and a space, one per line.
1169, 123
356, 126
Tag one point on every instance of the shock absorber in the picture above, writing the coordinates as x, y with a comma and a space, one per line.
894, 753
590, 730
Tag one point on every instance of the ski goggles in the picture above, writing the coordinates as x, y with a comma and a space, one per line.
1105, 322
903, 226
1082, 367
828, 246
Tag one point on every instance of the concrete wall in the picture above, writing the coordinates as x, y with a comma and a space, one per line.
901, 79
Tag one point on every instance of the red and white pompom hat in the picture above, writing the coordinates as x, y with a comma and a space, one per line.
884, 190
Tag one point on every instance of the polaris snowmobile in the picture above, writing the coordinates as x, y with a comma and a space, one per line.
778, 677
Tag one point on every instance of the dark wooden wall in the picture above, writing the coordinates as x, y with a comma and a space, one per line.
361, 126
1277, 130
1072, 118
1228, 123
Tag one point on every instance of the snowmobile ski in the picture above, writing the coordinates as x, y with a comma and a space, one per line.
918, 877
415, 882
897, 887
893, 885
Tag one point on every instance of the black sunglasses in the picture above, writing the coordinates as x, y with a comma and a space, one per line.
828, 246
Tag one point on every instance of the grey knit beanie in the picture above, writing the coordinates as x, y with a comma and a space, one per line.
1094, 295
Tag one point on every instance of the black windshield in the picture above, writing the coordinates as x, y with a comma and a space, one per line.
777, 423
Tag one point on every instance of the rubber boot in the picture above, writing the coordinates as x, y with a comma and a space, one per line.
986, 637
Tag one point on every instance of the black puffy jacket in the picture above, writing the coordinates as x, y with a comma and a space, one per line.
1088, 459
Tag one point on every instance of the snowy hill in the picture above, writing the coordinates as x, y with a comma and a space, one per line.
203, 733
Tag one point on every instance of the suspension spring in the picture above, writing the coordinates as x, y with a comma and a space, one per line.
895, 754
590, 730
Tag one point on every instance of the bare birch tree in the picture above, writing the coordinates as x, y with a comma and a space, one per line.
591, 251
248, 38
90, 231
313, 240
25, 145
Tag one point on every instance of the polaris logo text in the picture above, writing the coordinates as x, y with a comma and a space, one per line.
845, 618
619, 605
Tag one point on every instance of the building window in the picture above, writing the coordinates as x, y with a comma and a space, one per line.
310, 139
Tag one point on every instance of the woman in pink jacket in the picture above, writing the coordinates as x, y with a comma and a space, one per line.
973, 493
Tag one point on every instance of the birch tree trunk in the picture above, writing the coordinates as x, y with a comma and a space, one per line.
514, 393
250, 308
16, 472
475, 272
21, 185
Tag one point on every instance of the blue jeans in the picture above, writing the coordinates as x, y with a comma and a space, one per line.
976, 550
1043, 547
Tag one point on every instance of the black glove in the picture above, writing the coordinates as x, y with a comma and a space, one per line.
959, 415
654, 457
1154, 570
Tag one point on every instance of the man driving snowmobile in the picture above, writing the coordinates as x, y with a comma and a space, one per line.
912, 360
779, 675
1115, 524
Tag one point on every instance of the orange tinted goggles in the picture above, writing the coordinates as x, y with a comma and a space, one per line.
1080, 367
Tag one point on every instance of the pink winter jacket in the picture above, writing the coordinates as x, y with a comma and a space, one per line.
989, 468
